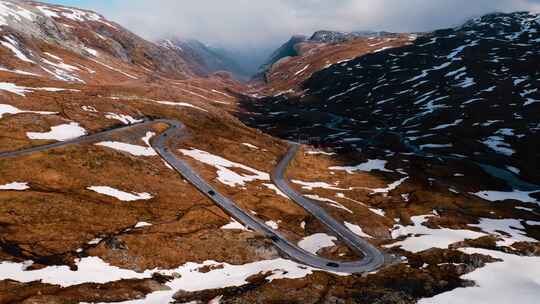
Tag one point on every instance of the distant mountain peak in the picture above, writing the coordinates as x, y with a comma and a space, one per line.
209, 59
303, 46
337, 37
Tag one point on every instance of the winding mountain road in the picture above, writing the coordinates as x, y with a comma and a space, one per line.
372, 257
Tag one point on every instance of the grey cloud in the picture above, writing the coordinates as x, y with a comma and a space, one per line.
255, 23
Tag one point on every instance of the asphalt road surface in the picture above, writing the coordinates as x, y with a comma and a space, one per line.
372, 257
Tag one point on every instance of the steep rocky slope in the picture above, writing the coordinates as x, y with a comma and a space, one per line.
36, 26
288, 49
301, 57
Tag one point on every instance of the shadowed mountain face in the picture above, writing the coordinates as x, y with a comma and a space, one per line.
210, 59
470, 92
288, 49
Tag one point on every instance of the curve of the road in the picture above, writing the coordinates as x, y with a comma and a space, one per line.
372, 257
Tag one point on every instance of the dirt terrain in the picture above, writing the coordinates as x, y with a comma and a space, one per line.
110, 222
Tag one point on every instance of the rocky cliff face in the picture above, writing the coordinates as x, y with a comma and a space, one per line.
340, 37
288, 49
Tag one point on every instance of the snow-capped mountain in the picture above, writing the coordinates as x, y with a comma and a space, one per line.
298, 45
33, 31
301, 57
468, 92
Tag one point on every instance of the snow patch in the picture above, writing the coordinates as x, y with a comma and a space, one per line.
435, 146
318, 152
250, 146
224, 166
18, 72
9, 109
494, 196
316, 242
189, 278
120, 195
59, 133
370, 165
328, 201
234, 225
125, 119
421, 238
497, 144
90, 270
272, 224
357, 230
16, 186
276, 190
515, 279
113, 69
390, 187
302, 70
21, 91
179, 104
135, 150
13, 45
142, 225
314, 185
513, 230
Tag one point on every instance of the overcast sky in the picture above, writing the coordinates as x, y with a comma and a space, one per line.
266, 23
